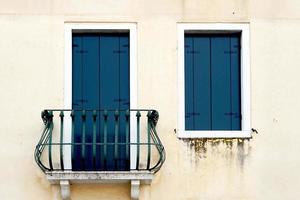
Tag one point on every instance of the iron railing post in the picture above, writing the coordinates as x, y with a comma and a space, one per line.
116, 149
50, 140
72, 115
105, 115
61, 115
138, 115
149, 139
94, 138
127, 116
83, 139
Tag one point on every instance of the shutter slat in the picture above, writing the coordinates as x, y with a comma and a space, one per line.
221, 89
189, 84
202, 101
235, 84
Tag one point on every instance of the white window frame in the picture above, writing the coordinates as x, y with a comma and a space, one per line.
245, 131
98, 27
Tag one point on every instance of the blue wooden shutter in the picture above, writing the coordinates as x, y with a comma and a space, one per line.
100, 81
212, 82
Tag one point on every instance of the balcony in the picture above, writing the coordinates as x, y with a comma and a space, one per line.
99, 146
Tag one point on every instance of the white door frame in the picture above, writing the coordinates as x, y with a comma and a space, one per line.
115, 27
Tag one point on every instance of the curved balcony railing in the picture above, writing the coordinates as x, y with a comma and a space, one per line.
99, 140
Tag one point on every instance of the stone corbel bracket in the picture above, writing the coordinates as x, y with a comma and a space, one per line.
64, 179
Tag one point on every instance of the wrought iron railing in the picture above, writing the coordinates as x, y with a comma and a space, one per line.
140, 147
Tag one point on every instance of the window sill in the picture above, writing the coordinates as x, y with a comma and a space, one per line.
214, 134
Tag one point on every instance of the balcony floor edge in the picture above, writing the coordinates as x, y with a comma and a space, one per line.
99, 176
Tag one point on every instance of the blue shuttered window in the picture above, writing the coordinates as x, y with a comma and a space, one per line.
212, 82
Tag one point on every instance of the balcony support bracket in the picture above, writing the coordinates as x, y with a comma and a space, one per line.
65, 189
135, 189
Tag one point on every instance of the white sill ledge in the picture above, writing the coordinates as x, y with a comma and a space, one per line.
99, 176
214, 134
65, 178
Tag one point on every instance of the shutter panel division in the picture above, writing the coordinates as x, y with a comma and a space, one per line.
124, 98
77, 100
189, 83
202, 93
212, 82
124, 71
76, 77
235, 84
109, 86
90, 90
220, 78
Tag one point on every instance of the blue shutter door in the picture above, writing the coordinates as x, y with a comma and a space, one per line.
212, 82
99, 78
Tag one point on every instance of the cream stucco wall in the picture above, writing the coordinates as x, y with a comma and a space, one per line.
32, 78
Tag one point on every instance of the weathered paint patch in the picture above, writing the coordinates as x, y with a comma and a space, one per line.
232, 150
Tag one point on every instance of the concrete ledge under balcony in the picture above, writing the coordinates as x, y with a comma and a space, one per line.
99, 176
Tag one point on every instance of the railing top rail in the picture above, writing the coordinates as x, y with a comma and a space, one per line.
134, 109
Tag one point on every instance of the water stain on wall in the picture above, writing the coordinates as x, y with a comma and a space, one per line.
231, 149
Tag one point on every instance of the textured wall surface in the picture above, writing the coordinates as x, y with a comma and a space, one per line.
32, 78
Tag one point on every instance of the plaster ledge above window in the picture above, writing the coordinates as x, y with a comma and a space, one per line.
135, 178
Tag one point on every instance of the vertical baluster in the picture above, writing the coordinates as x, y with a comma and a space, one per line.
148, 142
94, 138
105, 115
83, 139
61, 115
127, 114
117, 115
50, 140
138, 115
73, 132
